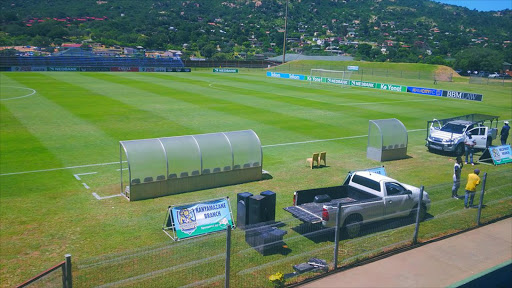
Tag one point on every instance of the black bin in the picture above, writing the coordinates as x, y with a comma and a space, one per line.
269, 206
242, 209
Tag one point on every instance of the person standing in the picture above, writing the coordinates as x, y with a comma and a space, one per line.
504, 133
473, 181
457, 168
469, 142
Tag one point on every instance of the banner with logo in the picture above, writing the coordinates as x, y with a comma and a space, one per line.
497, 155
63, 69
462, 95
382, 86
199, 218
225, 70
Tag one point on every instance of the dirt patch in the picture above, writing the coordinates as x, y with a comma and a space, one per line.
445, 70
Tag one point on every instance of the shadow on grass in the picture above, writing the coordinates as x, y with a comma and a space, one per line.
317, 233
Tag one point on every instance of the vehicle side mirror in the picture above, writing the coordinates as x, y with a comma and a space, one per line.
408, 192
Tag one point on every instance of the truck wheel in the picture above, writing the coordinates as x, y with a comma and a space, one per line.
459, 150
353, 226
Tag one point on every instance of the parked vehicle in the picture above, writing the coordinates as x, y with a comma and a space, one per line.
494, 75
449, 134
365, 197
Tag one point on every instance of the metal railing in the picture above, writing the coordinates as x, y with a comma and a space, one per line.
49, 278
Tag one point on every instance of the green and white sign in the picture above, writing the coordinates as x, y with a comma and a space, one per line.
198, 218
225, 70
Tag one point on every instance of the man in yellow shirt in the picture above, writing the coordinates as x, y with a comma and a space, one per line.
473, 181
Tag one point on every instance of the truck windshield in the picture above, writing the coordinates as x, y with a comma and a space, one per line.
453, 128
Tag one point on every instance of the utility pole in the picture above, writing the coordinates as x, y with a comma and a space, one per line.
285, 23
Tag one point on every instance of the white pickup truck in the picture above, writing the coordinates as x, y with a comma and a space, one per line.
449, 134
365, 196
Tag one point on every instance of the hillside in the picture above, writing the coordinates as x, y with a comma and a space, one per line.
400, 30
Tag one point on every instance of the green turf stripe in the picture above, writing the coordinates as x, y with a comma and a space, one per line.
71, 139
115, 109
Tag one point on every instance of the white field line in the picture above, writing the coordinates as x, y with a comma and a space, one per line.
105, 197
85, 185
19, 97
77, 176
263, 146
324, 140
62, 168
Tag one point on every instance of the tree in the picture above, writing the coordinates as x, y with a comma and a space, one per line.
479, 59
208, 50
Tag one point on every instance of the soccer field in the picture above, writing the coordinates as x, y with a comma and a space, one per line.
60, 133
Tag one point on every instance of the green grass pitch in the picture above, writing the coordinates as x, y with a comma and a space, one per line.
60, 133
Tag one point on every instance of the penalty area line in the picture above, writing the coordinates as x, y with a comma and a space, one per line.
105, 197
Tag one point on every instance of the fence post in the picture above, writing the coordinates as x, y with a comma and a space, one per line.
420, 201
228, 255
67, 268
481, 200
337, 232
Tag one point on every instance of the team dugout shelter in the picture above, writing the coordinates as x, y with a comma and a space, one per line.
170, 165
387, 140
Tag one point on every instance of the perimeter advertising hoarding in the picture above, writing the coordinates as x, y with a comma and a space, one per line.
63, 69
286, 75
94, 69
200, 218
124, 69
463, 95
225, 70
424, 91
382, 86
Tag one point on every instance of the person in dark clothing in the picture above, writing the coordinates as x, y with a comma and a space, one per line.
504, 133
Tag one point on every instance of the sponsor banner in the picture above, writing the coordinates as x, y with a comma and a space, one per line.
63, 69
353, 68
364, 84
152, 69
335, 81
178, 69
391, 87
424, 91
6, 69
94, 69
286, 75
501, 154
39, 68
124, 69
314, 79
201, 218
225, 70
28, 68
463, 95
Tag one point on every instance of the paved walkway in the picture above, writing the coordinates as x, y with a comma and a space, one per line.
438, 264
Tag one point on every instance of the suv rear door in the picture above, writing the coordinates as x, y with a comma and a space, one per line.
480, 136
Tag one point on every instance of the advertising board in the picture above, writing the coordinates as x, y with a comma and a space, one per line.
124, 69
225, 70
463, 95
199, 218
497, 155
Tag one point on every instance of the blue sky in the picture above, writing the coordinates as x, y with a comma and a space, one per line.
481, 5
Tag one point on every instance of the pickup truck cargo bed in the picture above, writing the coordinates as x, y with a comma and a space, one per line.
312, 212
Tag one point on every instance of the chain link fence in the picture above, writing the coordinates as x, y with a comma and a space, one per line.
365, 73
485, 80
201, 262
